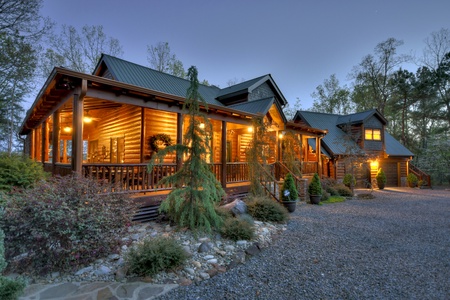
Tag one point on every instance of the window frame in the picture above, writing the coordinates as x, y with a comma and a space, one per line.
371, 133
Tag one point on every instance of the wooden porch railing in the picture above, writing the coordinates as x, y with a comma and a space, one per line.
309, 167
269, 183
421, 175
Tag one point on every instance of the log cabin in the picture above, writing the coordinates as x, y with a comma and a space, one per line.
100, 125
360, 141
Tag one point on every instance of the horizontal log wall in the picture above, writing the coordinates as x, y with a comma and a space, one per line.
157, 122
118, 123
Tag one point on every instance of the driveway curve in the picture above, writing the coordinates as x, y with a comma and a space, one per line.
395, 246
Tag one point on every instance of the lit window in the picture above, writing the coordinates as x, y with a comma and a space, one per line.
373, 134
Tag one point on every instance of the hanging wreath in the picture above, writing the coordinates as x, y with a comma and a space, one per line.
156, 140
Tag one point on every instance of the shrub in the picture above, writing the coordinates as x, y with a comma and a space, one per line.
343, 190
19, 171
332, 191
349, 180
266, 210
10, 289
155, 255
315, 188
64, 223
334, 199
289, 190
237, 229
381, 179
412, 180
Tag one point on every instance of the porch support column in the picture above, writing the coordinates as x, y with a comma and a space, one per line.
44, 143
179, 159
32, 145
224, 155
77, 125
319, 156
55, 139
142, 134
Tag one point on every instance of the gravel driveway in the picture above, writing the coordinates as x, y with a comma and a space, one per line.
396, 246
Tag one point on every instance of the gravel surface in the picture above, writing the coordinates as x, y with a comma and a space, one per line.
396, 246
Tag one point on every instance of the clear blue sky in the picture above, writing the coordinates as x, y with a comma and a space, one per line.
300, 43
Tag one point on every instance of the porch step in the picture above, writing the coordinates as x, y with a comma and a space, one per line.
146, 213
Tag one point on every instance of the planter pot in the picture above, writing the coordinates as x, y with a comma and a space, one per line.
290, 205
315, 199
380, 185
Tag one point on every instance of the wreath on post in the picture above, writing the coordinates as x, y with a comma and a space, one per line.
156, 140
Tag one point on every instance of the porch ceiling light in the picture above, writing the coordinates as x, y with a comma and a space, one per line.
374, 164
87, 118
202, 126
67, 129
250, 129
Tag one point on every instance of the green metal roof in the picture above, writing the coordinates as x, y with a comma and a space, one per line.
333, 141
261, 106
394, 147
131, 73
360, 117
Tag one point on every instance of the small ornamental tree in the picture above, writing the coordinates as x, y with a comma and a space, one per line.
192, 203
315, 187
289, 190
257, 154
381, 179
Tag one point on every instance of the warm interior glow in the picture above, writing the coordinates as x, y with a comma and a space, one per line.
87, 119
280, 136
67, 129
202, 126
374, 164
250, 129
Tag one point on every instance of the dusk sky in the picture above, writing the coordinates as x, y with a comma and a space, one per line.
300, 43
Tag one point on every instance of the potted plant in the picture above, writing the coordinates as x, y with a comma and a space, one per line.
315, 189
289, 193
381, 179
412, 180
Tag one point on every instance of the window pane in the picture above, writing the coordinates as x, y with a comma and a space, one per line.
369, 134
377, 134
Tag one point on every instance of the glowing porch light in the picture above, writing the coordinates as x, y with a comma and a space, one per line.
201, 125
374, 164
67, 129
87, 119
250, 129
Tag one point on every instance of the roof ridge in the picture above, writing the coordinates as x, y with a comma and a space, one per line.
160, 72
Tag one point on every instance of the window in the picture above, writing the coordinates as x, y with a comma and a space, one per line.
373, 134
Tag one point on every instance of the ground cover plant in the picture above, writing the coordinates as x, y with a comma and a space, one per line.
237, 229
63, 223
265, 209
333, 199
155, 255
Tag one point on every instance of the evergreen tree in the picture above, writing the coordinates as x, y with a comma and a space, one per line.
192, 203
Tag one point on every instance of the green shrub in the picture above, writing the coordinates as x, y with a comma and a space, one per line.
334, 199
2, 251
332, 191
325, 196
155, 255
343, 190
64, 223
237, 229
412, 180
10, 289
381, 179
19, 171
289, 190
349, 180
315, 187
266, 210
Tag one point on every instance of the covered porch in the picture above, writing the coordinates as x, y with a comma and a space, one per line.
102, 128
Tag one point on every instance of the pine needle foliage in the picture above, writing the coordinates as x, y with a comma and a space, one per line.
192, 203
257, 156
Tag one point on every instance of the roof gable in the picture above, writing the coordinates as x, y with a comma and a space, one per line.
360, 117
333, 123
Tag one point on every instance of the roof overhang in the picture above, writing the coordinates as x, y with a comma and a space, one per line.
63, 83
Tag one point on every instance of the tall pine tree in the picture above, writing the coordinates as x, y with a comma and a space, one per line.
192, 203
